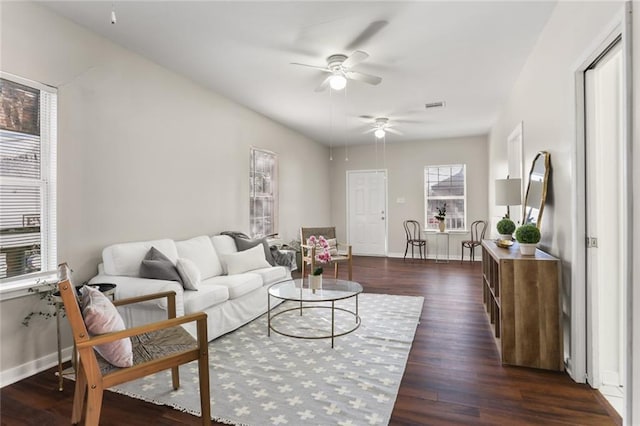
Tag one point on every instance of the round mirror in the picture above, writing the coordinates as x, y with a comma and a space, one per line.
537, 189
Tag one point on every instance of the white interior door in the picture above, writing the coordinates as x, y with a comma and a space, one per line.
367, 211
605, 227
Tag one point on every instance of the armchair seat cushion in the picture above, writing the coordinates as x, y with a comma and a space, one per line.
237, 285
156, 344
207, 295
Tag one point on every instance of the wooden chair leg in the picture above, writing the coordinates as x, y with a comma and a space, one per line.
335, 270
175, 377
79, 395
406, 249
94, 404
462, 252
203, 374
304, 262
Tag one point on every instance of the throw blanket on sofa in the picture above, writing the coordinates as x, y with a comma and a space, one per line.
281, 258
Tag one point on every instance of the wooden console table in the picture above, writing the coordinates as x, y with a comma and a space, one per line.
522, 298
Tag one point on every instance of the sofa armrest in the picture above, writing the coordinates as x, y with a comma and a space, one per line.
127, 287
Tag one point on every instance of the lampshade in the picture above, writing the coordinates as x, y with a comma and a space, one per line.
379, 133
508, 192
338, 82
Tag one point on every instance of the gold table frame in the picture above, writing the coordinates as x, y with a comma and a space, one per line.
332, 290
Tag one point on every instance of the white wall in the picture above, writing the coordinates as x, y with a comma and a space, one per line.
405, 164
544, 99
143, 153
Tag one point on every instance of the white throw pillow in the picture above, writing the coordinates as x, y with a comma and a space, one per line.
189, 273
100, 317
201, 252
246, 260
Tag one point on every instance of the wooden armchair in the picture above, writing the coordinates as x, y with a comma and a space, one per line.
342, 253
94, 374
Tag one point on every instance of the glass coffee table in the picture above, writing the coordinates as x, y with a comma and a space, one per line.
297, 290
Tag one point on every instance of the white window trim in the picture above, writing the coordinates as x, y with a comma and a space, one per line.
18, 286
465, 230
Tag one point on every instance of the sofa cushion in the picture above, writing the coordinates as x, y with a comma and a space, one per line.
100, 317
207, 295
189, 273
223, 244
245, 261
272, 274
201, 252
157, 266
238, 285
124, 259
244, 244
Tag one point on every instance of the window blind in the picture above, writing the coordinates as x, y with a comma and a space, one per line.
27, 179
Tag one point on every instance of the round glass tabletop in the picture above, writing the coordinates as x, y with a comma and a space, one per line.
299, 291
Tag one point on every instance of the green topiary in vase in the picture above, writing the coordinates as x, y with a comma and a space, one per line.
528, 235
505, 228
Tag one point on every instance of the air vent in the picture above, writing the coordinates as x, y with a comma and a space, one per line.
440, 104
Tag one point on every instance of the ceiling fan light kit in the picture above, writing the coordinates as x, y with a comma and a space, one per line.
379, 133
340, 66
337, 82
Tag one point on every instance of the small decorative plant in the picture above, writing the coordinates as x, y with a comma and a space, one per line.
45, 292
528, 234
442, 212
506, 226
324, 256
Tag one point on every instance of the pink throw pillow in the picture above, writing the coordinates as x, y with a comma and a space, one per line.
100, 316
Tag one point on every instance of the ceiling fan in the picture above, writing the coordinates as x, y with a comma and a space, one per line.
381, 126
340, 67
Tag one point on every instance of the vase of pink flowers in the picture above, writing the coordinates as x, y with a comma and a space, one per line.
323, 256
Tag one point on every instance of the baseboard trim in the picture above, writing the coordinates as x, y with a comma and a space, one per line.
28, 369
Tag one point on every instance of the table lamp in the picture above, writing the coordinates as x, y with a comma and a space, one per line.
508, 192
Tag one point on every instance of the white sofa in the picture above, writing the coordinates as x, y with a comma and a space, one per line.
229, 301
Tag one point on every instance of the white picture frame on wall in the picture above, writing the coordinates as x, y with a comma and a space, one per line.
515, 161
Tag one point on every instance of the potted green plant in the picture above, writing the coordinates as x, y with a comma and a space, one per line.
506, 227
528, 235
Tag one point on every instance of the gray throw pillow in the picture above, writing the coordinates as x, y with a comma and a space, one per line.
157, 266
243, 244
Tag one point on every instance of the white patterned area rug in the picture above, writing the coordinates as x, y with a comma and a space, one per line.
279, 380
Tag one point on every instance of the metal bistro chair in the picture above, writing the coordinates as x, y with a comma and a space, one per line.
478, 229
412, 231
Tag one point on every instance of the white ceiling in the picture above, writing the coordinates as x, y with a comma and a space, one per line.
467, 54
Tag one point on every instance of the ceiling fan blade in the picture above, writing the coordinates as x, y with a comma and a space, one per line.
373, 129
325, 69
367, 78
323, 86
355, 58
394, 131
365, 35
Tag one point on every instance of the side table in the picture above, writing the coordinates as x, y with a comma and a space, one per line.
440, 236
108, 290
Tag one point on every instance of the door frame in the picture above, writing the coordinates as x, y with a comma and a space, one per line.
576, 363
386, 204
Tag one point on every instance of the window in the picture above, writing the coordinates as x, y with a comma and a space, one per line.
27, 178
263, 182
446, 184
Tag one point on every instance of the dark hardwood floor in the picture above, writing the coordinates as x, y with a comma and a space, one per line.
453, 374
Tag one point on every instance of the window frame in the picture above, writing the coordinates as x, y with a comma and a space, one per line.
253, 196
432, 225
47, 185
